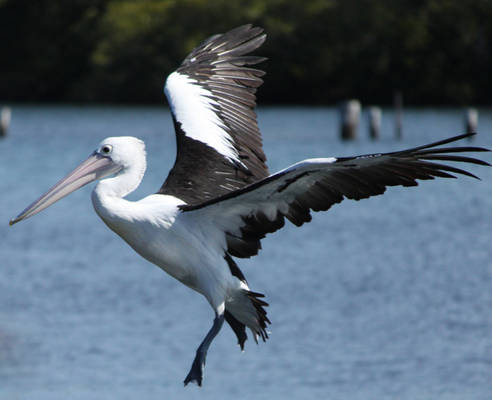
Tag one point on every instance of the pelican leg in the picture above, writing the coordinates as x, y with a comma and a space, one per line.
196, 371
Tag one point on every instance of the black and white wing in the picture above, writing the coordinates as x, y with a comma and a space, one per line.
212, 100
248, 214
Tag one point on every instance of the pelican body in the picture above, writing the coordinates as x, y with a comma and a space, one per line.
219, 200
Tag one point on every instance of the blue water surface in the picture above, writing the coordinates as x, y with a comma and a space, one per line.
386, 298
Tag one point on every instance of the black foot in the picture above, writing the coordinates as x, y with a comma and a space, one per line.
196, 372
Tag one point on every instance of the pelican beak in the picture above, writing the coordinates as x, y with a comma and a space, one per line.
95, 167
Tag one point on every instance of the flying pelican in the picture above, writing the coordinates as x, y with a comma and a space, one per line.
219, 200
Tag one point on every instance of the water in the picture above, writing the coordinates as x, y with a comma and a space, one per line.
386, 298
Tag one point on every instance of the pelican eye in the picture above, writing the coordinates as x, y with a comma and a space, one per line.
106, 149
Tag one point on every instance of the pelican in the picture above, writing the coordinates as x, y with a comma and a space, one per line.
219, 199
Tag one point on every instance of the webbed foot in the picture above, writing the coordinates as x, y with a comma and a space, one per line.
196, 371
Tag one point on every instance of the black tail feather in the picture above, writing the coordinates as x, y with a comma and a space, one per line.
238, 327
261, 312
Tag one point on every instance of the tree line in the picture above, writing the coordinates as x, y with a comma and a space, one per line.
319, 51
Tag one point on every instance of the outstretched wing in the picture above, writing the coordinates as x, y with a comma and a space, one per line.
246, 215
212, 100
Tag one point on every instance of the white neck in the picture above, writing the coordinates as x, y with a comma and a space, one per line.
108, 194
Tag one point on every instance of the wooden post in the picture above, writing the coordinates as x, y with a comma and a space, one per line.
375, 116
349, 117
398, 103
5, 121
471, 120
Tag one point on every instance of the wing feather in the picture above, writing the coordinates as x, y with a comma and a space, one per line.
212, 99
248, 214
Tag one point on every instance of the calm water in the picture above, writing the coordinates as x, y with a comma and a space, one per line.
388, 298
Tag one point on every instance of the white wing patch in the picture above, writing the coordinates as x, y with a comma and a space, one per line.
194, 108
301, 165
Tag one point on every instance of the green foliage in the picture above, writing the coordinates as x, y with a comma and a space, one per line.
320, 51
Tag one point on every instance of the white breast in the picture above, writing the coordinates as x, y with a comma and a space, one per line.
157, 230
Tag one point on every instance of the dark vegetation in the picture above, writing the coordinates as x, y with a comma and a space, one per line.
320, 51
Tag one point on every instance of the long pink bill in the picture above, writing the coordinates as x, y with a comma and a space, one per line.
95, 167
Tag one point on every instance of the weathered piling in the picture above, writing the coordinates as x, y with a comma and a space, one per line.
349, 117
5, 120
398, 104
471, 120
375, 116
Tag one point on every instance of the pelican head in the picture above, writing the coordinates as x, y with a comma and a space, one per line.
123, 155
